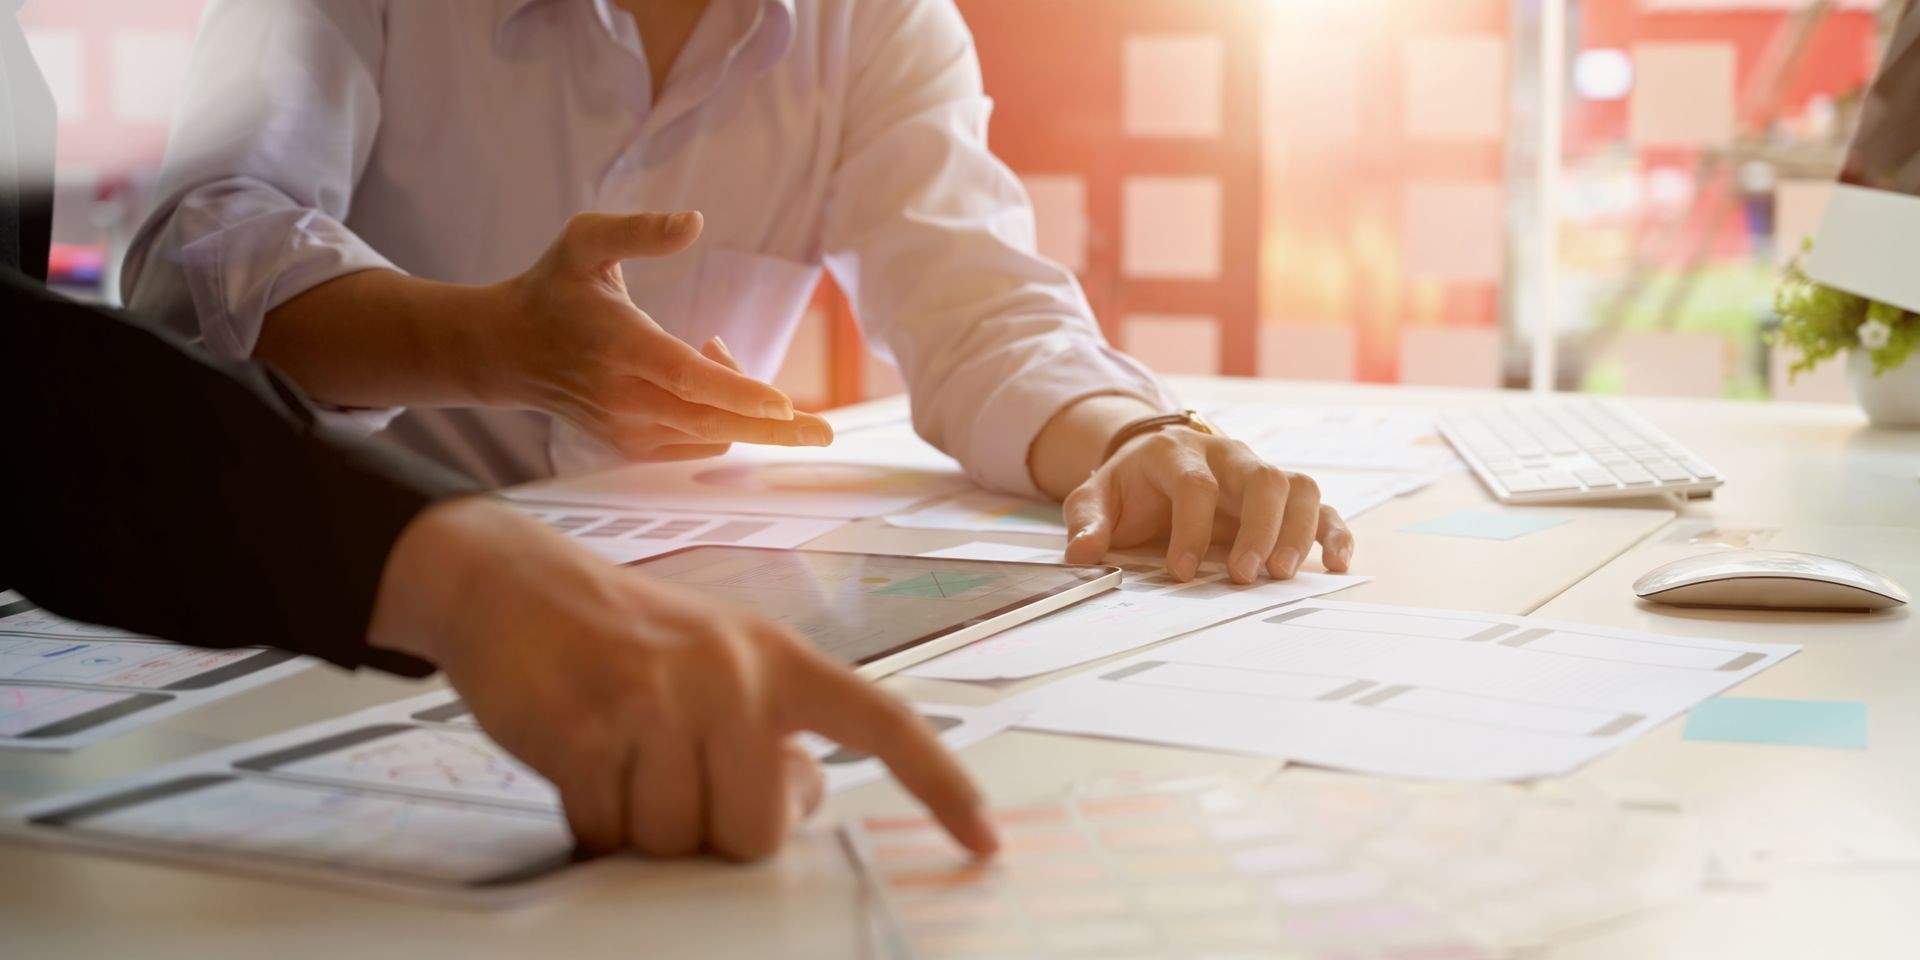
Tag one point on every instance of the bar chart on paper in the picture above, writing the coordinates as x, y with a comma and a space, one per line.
627, 535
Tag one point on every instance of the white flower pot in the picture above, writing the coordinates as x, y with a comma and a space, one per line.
1892, 399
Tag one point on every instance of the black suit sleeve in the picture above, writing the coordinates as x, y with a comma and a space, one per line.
150, 488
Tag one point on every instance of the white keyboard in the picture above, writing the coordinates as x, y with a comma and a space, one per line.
1540, 450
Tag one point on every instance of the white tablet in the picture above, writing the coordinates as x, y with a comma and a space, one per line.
878, 612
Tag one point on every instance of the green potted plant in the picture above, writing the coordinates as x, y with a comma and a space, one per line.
1819, 322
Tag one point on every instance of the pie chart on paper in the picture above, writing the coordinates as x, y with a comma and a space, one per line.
819, 478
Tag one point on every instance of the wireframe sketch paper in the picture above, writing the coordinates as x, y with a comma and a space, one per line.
1399, 691
1148, 607
624, 536
409, 797
65, 685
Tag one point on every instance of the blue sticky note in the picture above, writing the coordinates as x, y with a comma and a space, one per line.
1797, 723
1486, 525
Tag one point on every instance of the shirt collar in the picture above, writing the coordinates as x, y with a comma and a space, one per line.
768, 44
505, 13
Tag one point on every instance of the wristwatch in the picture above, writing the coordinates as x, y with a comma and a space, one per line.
1191, 419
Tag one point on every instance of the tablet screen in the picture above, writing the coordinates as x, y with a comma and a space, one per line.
861, 607
411, 838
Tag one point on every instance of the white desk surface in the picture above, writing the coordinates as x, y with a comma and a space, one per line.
1807, 471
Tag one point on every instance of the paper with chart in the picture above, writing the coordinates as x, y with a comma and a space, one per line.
407, 797
868, 472
65, 685
1302, 865
624, 536
1148, 607
1399, 691
1354, 438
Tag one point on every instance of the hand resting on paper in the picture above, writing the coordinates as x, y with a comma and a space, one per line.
1190, 487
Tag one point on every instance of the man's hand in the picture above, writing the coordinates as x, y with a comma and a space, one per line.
576, 345
1189, 487
666, 720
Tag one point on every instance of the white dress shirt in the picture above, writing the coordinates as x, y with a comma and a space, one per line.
452, 139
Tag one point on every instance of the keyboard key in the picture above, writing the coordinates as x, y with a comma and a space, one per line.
1596, 477
1631, 474
1699, 469
1666, 470
1557, 480
1516, 479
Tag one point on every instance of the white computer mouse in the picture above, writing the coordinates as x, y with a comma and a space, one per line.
1769, 579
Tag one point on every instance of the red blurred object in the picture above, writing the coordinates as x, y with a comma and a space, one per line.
76, 265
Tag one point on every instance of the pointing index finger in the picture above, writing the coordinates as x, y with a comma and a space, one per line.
827, 699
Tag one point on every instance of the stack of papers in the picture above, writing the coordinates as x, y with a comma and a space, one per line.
1398, 691
1148, 607
1301, 866
65, 685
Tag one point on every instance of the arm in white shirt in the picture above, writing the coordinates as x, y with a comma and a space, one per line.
933, 239
249, 252
279, 116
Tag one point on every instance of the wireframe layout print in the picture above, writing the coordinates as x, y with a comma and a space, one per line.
1403, 692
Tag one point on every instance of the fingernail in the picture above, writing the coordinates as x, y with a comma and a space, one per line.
681, 222
1289, 560
776, 410
986, 837
814, 436
721, 345
1246, 567
1345, 552
1187, 566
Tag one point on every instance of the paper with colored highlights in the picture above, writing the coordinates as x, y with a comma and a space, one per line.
1486, 524
1306, 865
980, 511
1794, 723
66, 685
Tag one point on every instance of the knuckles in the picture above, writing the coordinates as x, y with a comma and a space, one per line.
1199, 482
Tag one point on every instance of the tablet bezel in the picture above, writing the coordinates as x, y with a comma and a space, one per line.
1095, 579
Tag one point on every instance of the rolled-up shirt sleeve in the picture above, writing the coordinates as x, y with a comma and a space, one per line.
933, 239
279, 117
